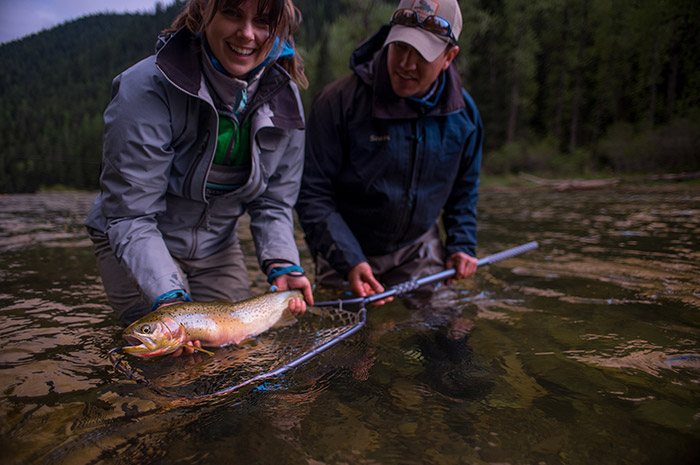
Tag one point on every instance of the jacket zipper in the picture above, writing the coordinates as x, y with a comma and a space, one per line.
258, 102
198, 159
203, 219
417, 140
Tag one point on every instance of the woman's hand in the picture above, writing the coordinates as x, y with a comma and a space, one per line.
286, 282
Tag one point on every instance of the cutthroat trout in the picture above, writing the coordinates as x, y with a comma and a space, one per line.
214, 324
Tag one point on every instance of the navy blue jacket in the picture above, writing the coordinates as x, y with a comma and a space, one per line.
379, 169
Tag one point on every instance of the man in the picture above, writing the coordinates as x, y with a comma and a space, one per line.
388, 149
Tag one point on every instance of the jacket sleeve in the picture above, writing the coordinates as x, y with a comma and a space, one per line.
326, 231
459, 215
271, 214
136, 162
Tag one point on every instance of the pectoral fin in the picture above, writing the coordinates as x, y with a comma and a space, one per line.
314, 310
287, 319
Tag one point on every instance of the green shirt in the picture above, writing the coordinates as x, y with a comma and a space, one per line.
233, 146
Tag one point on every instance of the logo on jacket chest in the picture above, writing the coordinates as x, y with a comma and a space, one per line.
376, 138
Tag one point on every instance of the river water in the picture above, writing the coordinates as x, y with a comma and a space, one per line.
583, 351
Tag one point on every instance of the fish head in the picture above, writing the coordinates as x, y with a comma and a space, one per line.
154, 336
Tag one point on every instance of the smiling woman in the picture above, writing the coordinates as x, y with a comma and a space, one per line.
205, 130
237, 31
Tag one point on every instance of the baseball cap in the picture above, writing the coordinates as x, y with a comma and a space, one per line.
429, 44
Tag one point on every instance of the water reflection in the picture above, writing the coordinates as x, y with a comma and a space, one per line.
584, 351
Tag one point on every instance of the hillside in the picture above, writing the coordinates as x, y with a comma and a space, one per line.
53, 91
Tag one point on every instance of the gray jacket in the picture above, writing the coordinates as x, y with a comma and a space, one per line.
159, 142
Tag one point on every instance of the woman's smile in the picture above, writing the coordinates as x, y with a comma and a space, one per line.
242, 51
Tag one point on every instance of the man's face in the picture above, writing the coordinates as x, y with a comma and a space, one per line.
410, 74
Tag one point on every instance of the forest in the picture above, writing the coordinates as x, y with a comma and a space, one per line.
566, 88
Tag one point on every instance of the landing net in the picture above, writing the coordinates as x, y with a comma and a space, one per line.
231, 368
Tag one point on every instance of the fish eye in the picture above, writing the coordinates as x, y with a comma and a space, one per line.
145, 329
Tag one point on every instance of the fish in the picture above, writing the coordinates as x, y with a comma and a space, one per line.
214, 324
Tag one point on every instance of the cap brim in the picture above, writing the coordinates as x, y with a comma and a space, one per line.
429, 45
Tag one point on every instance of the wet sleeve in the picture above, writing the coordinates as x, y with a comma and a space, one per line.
136, 162
459, 215
271, 214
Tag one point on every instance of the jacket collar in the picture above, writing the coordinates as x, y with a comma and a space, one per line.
368, 61
178, 58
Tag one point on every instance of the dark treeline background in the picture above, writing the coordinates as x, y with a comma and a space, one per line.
565, 87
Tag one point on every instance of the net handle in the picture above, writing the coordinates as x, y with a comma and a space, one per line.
441, 276
411, 285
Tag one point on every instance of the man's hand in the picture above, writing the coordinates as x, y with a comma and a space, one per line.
287, 282
363, 283
463, 264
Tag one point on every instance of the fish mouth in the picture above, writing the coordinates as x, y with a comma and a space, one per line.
136, 342
133, 339
144, 347
151, 338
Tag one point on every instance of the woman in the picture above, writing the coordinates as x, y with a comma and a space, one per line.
209, 127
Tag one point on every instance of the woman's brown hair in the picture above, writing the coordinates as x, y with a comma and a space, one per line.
284, 19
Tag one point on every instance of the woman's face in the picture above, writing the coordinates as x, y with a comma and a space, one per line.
237, 36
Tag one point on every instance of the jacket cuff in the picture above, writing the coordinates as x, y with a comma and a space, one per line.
469, 250
267, 264
342, 263
171, 297
292, 270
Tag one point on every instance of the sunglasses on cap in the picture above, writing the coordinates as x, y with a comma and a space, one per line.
435, 24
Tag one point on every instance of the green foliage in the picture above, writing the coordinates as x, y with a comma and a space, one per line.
564, 87
672, 148
578, 68
328, 57
542, 157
